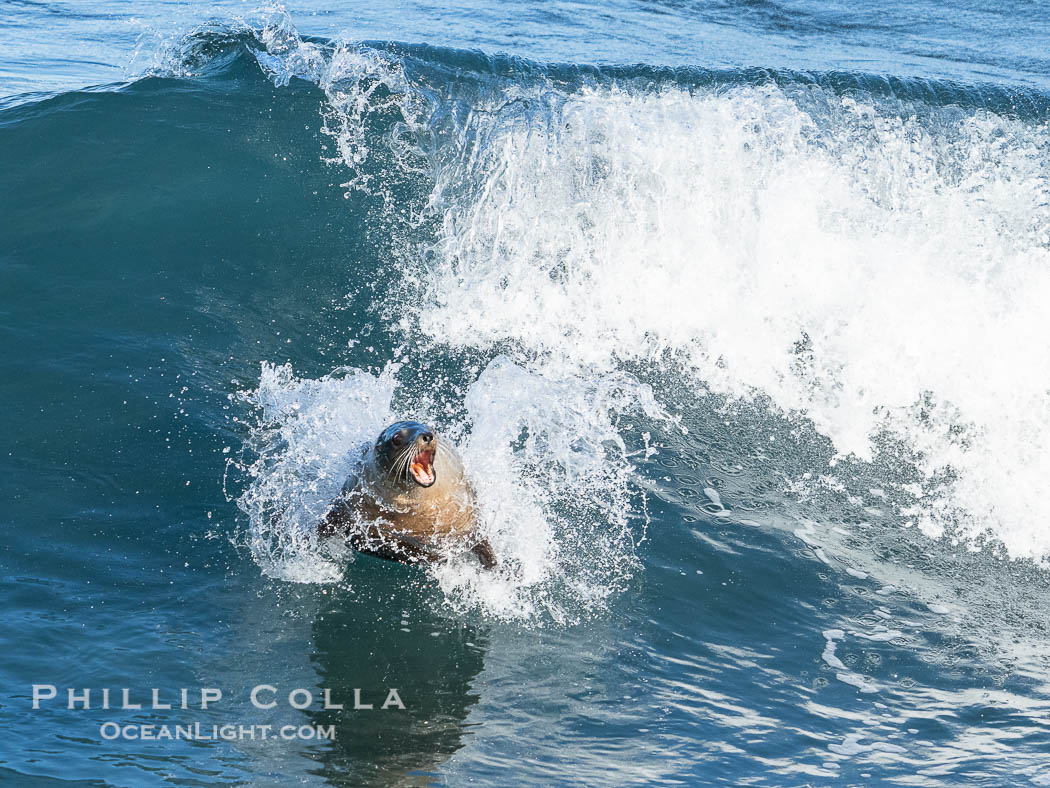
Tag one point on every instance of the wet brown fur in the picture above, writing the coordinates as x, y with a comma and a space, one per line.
393, 517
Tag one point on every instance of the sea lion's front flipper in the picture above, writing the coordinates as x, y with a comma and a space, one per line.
382, 542
337, 520
415, 551
483, 550
340, 515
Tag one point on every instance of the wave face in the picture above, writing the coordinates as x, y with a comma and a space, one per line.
747, 366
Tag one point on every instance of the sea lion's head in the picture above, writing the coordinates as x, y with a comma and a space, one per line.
406, 450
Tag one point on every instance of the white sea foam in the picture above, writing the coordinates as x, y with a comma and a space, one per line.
300, 453
871, 273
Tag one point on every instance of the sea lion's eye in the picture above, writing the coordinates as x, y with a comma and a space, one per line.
399, 438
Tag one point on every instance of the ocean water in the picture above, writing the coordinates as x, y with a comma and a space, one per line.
736, 312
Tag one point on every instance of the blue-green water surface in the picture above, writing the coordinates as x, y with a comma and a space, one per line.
735, 309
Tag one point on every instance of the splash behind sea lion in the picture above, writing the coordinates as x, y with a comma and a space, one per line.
409, 500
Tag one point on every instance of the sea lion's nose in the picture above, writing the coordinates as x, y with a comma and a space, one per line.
427, 437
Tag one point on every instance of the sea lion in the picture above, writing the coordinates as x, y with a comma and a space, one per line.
408, 500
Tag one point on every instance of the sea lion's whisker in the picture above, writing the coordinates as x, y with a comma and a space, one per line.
405, 461
390, 470
398, 466
446, 451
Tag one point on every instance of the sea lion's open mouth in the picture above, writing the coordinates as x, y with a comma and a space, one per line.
422, 469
